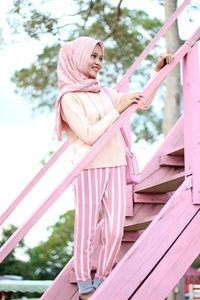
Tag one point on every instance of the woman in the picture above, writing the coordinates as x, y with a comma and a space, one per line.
84, 111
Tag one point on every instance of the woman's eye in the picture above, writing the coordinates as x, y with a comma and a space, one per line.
94, 55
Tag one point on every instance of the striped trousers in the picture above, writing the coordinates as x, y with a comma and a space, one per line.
101, 189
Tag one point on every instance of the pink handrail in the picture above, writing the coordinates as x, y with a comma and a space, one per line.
150, 46
98, 145
125, 77
33, 182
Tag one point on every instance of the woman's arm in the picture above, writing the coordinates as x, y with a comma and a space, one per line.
73, 114
127, 99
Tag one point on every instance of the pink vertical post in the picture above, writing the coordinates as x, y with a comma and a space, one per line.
124, 88
191, 84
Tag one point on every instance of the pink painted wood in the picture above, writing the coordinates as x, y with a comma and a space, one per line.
191, 84
152, 198
131, 236
173, 137
28, 224
174, 263
129, 200
146, 51
172, 160
33, 182
147, 251
143, 215
61, 288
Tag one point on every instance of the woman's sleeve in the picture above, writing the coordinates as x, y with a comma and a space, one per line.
74, 115
117, 96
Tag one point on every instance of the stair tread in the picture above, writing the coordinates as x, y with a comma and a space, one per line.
143, 216
166, 184
172, 160
177, 150
140, 225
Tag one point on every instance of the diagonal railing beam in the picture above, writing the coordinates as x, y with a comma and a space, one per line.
33, 182
150, 46
28, 224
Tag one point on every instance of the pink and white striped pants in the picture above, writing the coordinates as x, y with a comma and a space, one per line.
98, 189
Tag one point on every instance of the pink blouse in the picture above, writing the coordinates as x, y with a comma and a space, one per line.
87, 116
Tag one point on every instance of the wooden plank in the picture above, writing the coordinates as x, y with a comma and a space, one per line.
142, 217
167, 160
129, 200
33, 182
191, 83
139, 224
173, 265
176, 150
173, 137
154, 198
61, 288
150, 247
131, 236
167, 184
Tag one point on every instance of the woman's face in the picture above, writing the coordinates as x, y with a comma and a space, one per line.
95, 62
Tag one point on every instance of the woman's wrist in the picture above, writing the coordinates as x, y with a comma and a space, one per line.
157, 69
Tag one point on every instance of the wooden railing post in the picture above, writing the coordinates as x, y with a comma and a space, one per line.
191, 91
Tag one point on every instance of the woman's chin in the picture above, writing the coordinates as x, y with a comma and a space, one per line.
92, 75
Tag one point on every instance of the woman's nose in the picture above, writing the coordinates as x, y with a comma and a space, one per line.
98, 61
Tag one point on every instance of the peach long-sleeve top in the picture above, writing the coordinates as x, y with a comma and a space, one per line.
88, 115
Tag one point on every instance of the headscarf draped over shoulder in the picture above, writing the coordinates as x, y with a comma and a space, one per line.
72, 73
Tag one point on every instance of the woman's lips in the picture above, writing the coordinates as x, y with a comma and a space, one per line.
96, 69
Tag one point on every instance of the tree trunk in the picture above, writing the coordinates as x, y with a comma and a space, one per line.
173, 85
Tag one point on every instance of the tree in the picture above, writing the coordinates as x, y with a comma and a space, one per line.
11, 265
173, 95
173, 83
49, 257
115, 24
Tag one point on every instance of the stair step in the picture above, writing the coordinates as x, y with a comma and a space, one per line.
139, 225
154, 198
166, 184
172, 160
143, 216
177, 150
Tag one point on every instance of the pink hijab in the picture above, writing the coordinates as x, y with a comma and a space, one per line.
71, 70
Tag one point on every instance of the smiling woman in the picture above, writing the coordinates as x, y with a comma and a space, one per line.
85, 111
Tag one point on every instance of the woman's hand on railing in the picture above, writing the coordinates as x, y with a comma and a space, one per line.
127, 100
163, 59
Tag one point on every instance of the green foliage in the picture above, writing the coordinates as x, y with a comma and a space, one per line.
196, 263
11, 265
144, 128
32, 21
125, 33
49, 257
38, 82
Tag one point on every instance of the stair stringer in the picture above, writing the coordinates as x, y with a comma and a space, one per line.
173, 265
147, 255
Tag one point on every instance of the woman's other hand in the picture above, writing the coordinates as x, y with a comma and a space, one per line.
163, 59
127, 100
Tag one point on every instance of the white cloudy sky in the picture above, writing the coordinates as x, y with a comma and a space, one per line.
25, 139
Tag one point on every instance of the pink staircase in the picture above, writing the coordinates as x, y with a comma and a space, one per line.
161, 233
